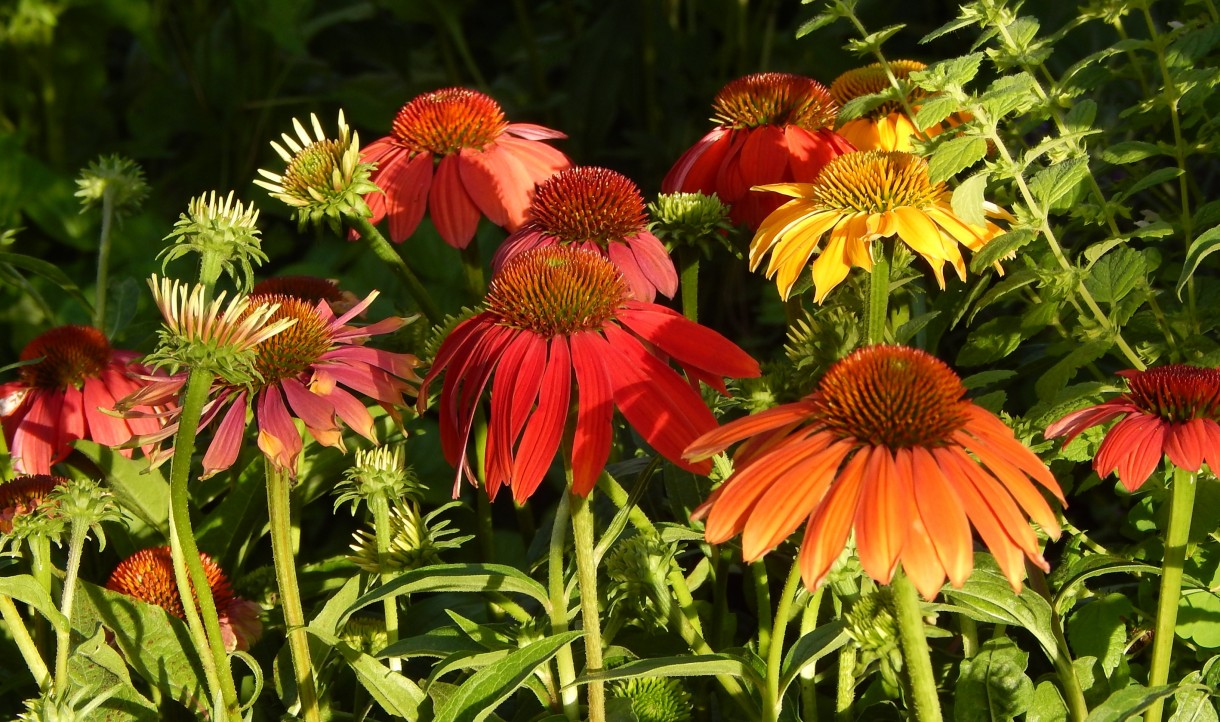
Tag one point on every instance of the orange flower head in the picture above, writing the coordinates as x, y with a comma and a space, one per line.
452, 153
771, 128
289, 353
602, 211
308, 288
871, 79
22, 495
148, 575
1170, 410
886, 446
70, 355
887, 126
556, 294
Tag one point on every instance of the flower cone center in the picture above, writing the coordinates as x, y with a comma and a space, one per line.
290, 352
875, 181
774, 99
22, 495
556, 290
891, 396
1177, 392
588, 204
314, 167
310, 289
872, 79
70, 354
445, 121
148, 575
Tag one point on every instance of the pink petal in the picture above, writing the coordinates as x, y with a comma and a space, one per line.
350, 409
654, 261
277, 435
317, 413
104, 429
70, 424
453, 211
530, 131
226, 443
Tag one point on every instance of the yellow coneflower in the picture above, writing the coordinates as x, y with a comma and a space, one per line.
887, 126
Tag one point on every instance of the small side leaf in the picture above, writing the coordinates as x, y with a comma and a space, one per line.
479, 695
457, 578
1203, 246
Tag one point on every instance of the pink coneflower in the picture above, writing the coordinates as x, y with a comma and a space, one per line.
1167, 411
602, 211
62, 397
557, 314
772, 128
452, 153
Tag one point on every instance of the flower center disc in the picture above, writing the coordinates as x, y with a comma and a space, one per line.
588, 204
891, 396
1177, 392
148, 575
22, 495
556, 290
70, 354
291, 351
307, 288
875, 181
445, 121
872, 79
774, 99
314, 167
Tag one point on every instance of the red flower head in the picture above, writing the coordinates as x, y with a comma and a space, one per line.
61, 398
773, 128
888, 447
308, 288
602, 211
1168, 410
557, 311
148, 575
487, 167
22, 495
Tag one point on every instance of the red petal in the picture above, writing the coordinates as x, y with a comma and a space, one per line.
528, 238
539, 160
406, 184
1134, 446
104, 429
544, 430
513, 390
1077, 421
70, 424
1184, 443
720, 439
594, 413
687, 342
497, 184
454, 213
315, 411
697, 168
32, 443
764, 156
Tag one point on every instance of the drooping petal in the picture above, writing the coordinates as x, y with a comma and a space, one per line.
697, 168
883, 516
1077, 421
688, 342
454, 213
654, 262
544, 430
32, 444
943, 516
1185, 442
594, 413
408, 182
497, 184
71, 423
226, 443
1134, 447
105, 429
277, 435
721, 438
828, 527
315, 411
513, 391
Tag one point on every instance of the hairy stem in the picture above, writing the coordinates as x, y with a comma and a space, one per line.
772, 704
1181, 509
559, 609
380, 507
382, 248
586, 570
103, 256
915, 650
25, 643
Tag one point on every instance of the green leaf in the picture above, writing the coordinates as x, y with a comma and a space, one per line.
953, 73
810, 648
138, 489
935, 109
1128, 702
1115, 275
49, 271
860, 105
1193, 704
1008, 94
24, 588
396, 693
992, 684
1047, 704
874, 40
1155, 178
1057, 376
999, 247
699, 665
968, 199
984, 379
457, 578
1080, 118
1081, 570
955, 155
987, 597
1053, 183
991, 341
907, 331
1129, 151
479, 695
1198, 610
1203, 246
817, 22
1098, 628
436, 643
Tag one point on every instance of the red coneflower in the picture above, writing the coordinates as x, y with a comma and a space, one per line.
22, 495
772, 128
557, 311
598, 210
1167, 411
60, 398
148, 575
886, 445
310, 289
484, 166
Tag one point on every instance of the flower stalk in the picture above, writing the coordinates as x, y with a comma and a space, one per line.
915, 650
103, 256
878, 296
380, 507
25, 643
384, 251
557, 592
586, 570
772, 702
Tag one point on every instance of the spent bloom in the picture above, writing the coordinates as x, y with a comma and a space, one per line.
148, 575
888, 447
1167, 410
886, 126
557, 313
857, 198
325, 179
452, 153
771, 128
22, 495
602, 211
220, 228
120, 178
63, 396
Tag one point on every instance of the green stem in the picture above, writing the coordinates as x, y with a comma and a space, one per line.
382, 248
6, 461
688, 281
915, 650
280, 518
772, 703
103, 257
25, 643
210, 266
845, 689
380, 507
878, 297
188, 568
472, 268
762, 600
1181, 508
558, 594
809, 622
63, 637
586, 571
1078, 708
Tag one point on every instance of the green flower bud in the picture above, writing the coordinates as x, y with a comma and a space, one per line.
415, 541
637, 568
223, 232
690, 219
119, 178
366, 634
654, 699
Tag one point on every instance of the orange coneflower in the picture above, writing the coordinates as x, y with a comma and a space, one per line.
452, 153
1167, 411
857, 198
771, 128
22, 495
62, 397
148, 575
602, 211
557, 313
888, 447
887, 126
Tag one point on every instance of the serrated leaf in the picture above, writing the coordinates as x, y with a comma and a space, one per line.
810, 648
874, 40
396, 693
817, 22
24, 588
999, 247
457, 578
1129, 151
1098, 628
860, 105
138, 489
1097, 250
1128, 702
987, 597
49, 271
1155, 178
1057, 376
1047, 704
935, 109
1008, 94
955, 155
1193, 705
1052, 183
479, 695
1115, 275
1081, 116
992, 685
967, 201
1203, 246
947, 74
